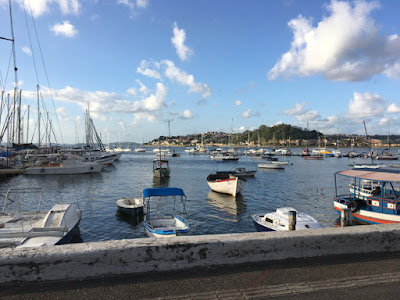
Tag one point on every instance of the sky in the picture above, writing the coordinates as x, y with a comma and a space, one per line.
200, 66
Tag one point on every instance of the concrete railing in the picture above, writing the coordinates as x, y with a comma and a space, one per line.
88, 260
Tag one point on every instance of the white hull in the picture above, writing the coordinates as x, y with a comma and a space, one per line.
35, 229
232, 186
65, 169
270, 166
165, 226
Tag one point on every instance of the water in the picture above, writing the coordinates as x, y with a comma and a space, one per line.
308, 186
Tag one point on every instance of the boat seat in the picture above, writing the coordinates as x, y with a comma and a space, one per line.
213, 177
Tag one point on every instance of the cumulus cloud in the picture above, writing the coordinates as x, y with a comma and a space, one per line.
41, 7
65, 29
393, 109
187, 114
103, 103
174, 73
249, 114
301, 113
62, 113
365, 105
178, 40
238, 102
345, 45
144, 70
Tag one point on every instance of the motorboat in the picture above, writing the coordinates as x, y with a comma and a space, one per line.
139, 150
27, 228
164, 225
161, 168
226, 183
239, 172
131, 206
224, 156
271, 166
279, 220
374, 197
280, 162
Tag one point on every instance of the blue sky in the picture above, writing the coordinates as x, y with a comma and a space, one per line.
207, 65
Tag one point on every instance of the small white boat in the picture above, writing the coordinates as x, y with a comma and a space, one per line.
140, 150
164, 225
131, 206
279, 220
367, 166
226, 183
38, 228
277, 162
271, 166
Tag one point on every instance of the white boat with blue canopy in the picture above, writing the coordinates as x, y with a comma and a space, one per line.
164, 225
374, 196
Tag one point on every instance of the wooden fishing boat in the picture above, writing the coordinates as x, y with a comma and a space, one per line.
226, 183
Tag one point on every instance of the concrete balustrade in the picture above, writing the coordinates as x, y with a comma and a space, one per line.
86, 260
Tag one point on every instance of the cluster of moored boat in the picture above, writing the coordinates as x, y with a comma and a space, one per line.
63, 161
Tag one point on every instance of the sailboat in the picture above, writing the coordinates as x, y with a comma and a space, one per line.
140, 149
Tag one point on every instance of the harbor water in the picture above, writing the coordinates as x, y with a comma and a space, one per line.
306, 185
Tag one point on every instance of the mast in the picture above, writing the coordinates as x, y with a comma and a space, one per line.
27, 126
369, 146
38, 103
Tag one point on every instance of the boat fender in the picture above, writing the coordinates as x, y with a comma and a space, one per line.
353, 205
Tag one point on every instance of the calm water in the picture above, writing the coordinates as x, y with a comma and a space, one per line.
305, 185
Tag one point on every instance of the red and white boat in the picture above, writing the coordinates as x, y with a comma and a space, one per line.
226, 183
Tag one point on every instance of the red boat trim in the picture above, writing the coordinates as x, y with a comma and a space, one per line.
225, 180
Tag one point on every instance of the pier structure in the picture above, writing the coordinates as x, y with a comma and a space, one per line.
147, 255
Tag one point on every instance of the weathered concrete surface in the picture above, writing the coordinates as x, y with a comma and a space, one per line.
87, 260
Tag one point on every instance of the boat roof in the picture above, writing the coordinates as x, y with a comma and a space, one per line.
150, 192
373, 174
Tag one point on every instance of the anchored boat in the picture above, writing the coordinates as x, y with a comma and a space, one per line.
374, 196
226, 183
164, 225
279, 220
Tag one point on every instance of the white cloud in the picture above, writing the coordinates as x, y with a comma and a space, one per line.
393, 71
103, 103
174, 73
144, 70
41, 7
133, 5
393, 109
178, 40
365, 105
238, 102
62, 113
301, 113
132, 92
345, 45
187, 114
65, 29
27, 50
249, 113
142, 3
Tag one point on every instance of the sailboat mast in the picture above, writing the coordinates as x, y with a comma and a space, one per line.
38, 103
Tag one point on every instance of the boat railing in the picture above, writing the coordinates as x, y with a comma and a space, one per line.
22, 191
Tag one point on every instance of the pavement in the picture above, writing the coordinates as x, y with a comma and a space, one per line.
372, 276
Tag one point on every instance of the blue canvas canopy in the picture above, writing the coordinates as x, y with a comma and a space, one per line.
163, 192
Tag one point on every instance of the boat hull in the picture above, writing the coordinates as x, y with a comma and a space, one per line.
165, 226
231, 186
83, 168
368, 217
